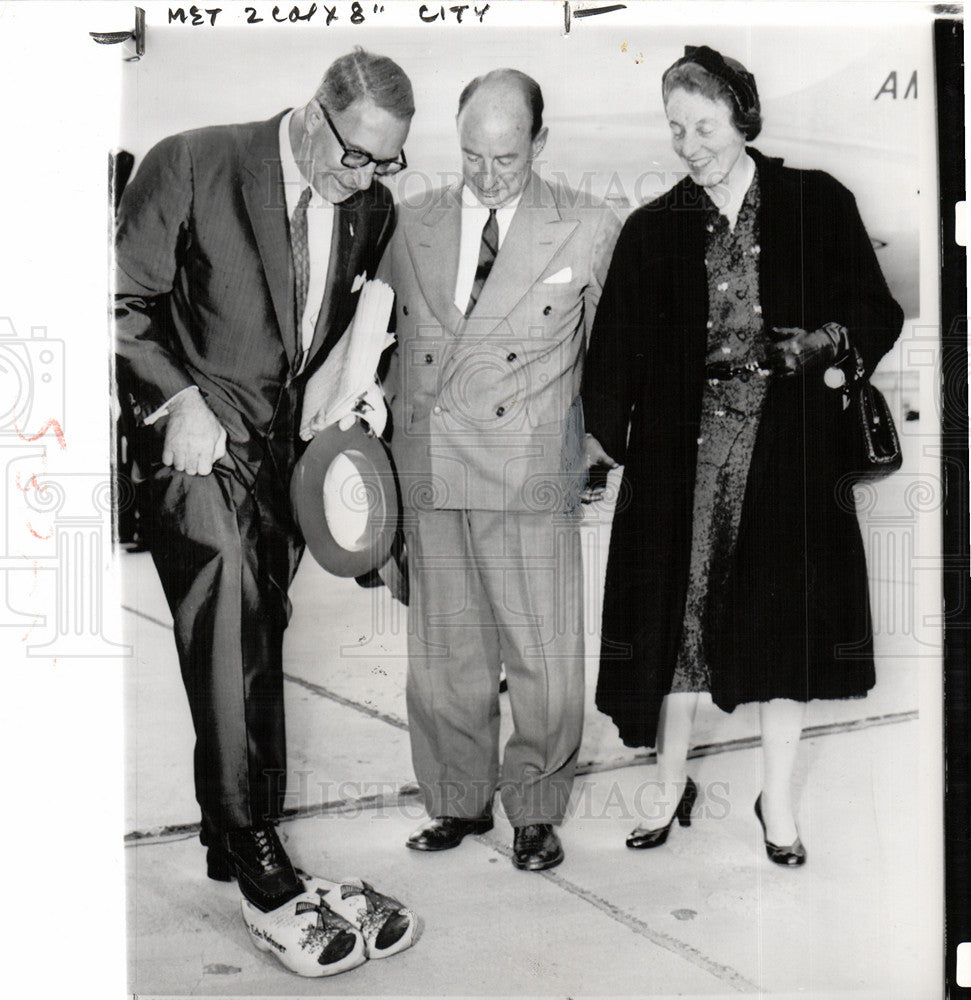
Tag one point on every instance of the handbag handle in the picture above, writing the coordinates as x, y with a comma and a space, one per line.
856, 377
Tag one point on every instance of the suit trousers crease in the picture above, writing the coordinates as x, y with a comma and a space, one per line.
226, 550
490, 588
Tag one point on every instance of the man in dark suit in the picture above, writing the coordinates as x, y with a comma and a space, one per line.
240, 253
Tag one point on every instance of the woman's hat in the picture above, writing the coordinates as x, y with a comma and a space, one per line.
345, 500
739, 82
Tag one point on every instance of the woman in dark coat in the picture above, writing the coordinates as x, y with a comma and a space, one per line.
736, 563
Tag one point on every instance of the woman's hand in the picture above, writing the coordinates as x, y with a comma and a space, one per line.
800, 351
597, 462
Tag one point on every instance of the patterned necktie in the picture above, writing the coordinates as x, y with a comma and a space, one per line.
300, 249
488, 249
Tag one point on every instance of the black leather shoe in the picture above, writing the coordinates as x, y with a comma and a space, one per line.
445, 832
536, 847
790, 855
256, 859
640, 840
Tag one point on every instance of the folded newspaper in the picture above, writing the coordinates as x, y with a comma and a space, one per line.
348, 374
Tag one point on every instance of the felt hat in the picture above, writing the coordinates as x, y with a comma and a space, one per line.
345, 500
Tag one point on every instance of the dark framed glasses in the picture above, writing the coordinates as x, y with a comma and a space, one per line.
354, 159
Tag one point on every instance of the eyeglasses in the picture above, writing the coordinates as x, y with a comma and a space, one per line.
354, 159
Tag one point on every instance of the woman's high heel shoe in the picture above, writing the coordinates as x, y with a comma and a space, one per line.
790, 856
640, 839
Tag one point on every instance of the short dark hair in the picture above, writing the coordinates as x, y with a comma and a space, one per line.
695, 78
532, 94
361, 74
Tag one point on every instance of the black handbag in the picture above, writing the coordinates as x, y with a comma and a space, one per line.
872, 436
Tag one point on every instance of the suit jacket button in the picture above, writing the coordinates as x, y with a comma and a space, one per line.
428, 359
404, 309
436, 410
500, 411
547, 310
511, 356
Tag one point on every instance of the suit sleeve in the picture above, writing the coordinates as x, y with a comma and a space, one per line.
615, 356
870, 313
388, 370
152, 228
601, 250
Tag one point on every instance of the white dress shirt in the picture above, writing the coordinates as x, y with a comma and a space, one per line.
474, 217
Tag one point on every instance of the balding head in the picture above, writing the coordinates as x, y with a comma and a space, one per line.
502, 82
501, 132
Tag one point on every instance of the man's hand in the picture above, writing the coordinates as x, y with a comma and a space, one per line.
370, 408
800, 351
598, 462
194, 438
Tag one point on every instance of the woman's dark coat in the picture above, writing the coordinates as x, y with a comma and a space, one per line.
793, 618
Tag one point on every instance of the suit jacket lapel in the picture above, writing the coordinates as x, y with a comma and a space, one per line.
434, 247
535, 235
266, 206
346, 246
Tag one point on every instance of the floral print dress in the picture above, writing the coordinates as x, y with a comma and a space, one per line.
730, 412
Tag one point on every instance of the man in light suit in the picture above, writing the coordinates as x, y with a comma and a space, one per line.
496, 282
240, 252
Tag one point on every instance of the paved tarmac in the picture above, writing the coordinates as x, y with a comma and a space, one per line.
705, 915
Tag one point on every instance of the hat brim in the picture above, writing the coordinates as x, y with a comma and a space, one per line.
348, 511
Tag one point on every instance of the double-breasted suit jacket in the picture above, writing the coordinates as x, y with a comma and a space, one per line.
486, 412
205, 297
487, 441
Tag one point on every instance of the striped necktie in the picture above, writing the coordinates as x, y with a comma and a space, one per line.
488, 249
300, 248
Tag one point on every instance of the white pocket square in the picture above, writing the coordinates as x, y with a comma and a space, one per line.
560, 278
359, 282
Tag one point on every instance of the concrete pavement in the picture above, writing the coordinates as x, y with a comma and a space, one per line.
705, 915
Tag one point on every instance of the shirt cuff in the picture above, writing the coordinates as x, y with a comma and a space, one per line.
165, 408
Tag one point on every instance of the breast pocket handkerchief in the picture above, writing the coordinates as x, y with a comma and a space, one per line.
562, 277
